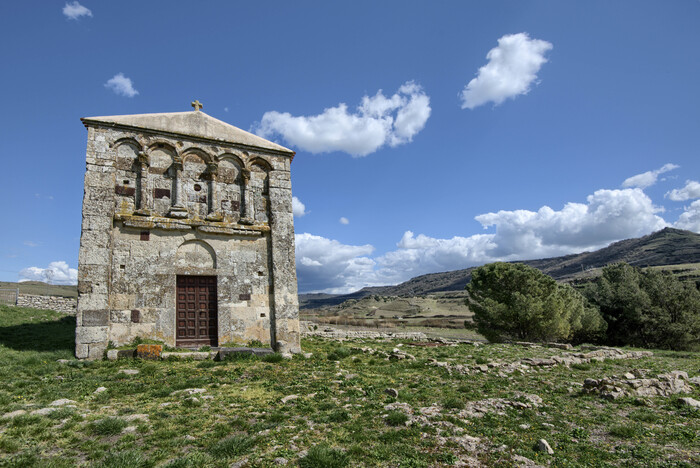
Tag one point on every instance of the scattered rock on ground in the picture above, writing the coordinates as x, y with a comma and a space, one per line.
392, 392
543, 446
289, 398
129, 371
692, 402
14, 414
61, 402
100, 389
614, 387
44, 411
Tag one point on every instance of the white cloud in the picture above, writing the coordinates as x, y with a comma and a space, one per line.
378, 121
29, 243
327, 265
75, 10
689, 192
607, 216
56, 273
649, 178
344, 220
121, 85
690, 218
298, 208
511, 69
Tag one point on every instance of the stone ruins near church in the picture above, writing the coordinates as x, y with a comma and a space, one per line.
187, 235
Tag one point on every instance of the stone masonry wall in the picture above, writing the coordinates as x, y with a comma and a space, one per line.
59, 304
159, 206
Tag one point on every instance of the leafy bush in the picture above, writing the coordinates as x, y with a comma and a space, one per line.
516, 301
651, 309
322, 456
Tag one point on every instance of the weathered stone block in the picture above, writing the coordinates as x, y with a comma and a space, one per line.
95, 318
87, 335
149, 351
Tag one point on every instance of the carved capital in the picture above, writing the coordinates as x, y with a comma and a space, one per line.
245, 175
143, 159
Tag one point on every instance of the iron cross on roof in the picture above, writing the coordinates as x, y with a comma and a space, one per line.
197, 105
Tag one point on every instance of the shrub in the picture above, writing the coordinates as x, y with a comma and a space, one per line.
322, 456
516, 301
651, 309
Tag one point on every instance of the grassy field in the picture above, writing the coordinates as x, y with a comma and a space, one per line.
41, 289
329, 410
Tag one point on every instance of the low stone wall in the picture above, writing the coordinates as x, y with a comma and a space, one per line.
314, 329
59, 304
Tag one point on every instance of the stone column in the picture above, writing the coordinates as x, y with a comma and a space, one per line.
144, 208
248, 205
286, 305
178, 210
214, 211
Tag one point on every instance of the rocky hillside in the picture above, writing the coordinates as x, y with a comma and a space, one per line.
660, 249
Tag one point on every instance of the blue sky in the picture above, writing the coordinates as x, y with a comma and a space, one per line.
430, 136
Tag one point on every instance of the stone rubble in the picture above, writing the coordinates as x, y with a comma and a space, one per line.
615, 387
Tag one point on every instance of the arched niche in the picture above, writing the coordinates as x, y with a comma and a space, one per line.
195, 255
259, 189
126, 184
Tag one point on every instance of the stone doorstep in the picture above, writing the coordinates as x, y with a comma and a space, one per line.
223, 352
216, 353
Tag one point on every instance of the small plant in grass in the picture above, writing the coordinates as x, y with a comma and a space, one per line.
204, 348
644, 415
191, 402
126, 459
396, 418
582, 366
108, 426
481, 360
339, 415
625, 431
323, 456
452, 403
191, 460
232, 446
255, 344
274, 357
579, 433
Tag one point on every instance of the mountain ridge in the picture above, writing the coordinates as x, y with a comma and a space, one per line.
668, 246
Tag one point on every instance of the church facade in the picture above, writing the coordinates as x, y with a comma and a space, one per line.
187, 235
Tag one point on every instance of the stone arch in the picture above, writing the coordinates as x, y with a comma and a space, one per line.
131, 141
262, 163
195, 255
199, 152
161, 157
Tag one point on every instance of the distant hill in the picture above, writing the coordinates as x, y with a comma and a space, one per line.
41, 289
660, 249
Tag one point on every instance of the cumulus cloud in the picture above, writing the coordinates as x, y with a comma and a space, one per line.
607, 216
330, 266
75, 10
648, 178
689, 192
344, 220
510, 71
298, 208
121, 85
690, 218
377, 121
55, 273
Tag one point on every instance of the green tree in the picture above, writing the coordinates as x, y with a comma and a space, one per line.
515, 301
649, 308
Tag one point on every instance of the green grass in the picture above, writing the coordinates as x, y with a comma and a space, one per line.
334, 421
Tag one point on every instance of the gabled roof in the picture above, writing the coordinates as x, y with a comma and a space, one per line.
193, 123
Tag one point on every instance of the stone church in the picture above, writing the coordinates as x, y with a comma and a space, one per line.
187, 235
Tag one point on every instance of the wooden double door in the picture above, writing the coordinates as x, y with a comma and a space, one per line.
196, 311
